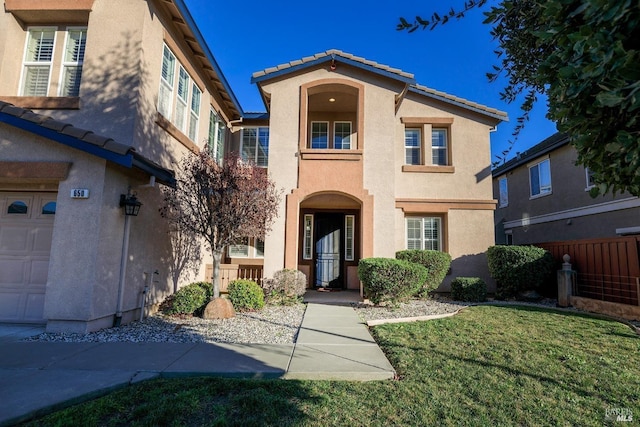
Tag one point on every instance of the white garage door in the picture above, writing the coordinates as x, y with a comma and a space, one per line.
26, 227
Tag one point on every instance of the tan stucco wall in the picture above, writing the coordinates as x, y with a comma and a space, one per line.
374, 175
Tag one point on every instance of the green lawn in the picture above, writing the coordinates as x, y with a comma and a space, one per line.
486, 366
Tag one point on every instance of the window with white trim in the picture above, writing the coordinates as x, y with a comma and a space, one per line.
320, 135
178, 98
540, 178
255, 145
439, 155
342, 135
349, 239
424, 233
75, 43
412, 143
247, 248
215, 142
504, 192
307, 251
39, 60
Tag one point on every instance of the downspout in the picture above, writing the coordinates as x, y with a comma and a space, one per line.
123, 270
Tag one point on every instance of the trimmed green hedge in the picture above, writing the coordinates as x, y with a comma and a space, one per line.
390, 280
189, 299
246, 295
519, 268
436, 262
471, 289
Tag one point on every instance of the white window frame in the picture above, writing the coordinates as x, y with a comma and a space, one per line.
26, 64
342, 136
261, 132
307, 240
423, 222
217, 129
544, 190
165, 94
182, 99
504, 192
249, 249
71, 64
194, 111
413, 148
326, 134
437, 149
349, 237
590, 183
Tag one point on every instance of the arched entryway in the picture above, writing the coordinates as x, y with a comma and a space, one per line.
329, 240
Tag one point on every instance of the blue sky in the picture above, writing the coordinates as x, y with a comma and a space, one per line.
253, 35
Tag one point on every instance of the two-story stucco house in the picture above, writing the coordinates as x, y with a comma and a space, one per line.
99, 100
543, 196
371, 163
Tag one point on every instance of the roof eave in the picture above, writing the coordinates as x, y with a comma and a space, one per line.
497, 115
525, 157
184, 11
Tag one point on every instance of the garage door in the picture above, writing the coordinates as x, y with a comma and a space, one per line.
26, 227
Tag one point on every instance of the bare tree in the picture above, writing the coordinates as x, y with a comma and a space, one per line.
223, 203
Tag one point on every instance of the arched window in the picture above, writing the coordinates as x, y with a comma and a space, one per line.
17, 207
49, 208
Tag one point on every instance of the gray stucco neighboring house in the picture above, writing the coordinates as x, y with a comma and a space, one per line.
543, 196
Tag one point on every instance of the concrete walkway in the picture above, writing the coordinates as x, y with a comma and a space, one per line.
39, 377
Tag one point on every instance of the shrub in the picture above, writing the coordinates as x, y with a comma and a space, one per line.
471, 289
246, 295
188, 300
390, 280
436, 262
286, 287
519, 268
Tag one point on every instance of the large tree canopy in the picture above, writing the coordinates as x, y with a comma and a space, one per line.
584, 55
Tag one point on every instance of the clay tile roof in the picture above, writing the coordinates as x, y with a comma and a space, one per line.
459, 101
331, 54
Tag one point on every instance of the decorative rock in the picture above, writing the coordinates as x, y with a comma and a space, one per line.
219, 308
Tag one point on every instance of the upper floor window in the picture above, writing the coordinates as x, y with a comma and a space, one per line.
412, 138
178, 97
215, 142
504, 192
319, 134
39, 61
439, 147
540, 178
342, 135
255, 145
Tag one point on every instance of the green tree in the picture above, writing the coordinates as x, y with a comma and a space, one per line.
584, 56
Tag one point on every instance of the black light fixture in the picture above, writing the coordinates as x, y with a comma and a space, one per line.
130, 204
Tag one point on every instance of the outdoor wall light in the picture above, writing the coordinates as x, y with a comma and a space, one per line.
130, 204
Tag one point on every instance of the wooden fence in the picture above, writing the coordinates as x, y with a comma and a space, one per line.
231, 272
608, 269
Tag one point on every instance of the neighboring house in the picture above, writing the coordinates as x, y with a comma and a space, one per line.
370, 163
543, 196
99, 100
96, 97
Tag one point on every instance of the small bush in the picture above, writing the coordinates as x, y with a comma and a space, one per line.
437, 264
246, 295
471, 289
286, 287
519, 268
188, 300
390, 280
